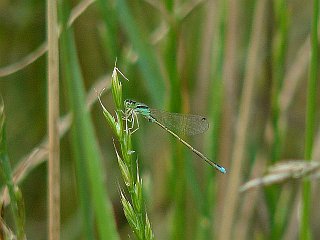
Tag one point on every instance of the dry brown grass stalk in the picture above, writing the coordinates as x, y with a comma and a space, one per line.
53, 121
238, 153
283, 171
249, 200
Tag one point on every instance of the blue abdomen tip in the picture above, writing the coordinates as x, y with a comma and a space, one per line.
223, 170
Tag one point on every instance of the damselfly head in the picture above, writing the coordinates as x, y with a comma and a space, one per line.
128, 103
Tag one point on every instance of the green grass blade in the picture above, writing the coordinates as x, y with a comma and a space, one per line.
310, 122
14, 192
85, 145
178, 229
280, 43
280, 47
147, 58
109, 32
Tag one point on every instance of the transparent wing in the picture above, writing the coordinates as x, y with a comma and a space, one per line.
186, 124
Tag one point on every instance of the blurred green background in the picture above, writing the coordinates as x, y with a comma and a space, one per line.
244, 64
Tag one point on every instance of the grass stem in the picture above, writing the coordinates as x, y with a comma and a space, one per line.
17, 205
134, 205
53, 120
310, 122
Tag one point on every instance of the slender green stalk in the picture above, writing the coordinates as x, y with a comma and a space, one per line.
310, 122
17, 206
178, 188
278, 67
280, 47
283, 211
53, 121
205, 231
169, 5
134, 209
147, 58
110, 29
93, 194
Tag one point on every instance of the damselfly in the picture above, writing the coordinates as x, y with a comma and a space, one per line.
186, 124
